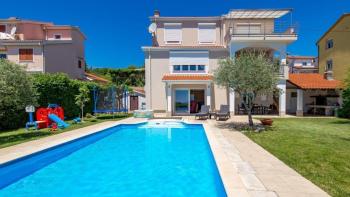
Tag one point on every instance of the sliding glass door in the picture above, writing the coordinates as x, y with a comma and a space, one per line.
181, 101
188, 101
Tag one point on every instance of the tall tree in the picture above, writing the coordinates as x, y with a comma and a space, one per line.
250, 74
16, 91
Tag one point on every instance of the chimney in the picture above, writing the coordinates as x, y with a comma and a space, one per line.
328, 75
156, 13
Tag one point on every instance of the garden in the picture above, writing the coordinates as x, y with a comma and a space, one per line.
317, 148
19, 89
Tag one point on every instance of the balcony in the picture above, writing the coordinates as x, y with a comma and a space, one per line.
273, 30
254, 34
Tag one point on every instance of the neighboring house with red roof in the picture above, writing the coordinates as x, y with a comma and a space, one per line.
43, 46
186, 50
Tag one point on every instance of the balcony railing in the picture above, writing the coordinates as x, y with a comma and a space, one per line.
277, 27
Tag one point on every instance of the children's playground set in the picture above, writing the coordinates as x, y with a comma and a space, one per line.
108, 101
50, 117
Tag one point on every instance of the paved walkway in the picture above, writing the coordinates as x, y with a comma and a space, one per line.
261, 173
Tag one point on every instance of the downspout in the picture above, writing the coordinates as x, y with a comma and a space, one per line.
150, 76
43, 43
43, 47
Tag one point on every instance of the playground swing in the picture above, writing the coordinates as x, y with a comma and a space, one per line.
110, 100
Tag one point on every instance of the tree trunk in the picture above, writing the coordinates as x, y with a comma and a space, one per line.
250, 119
82, 113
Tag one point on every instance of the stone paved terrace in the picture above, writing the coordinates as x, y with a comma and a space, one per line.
261, 173
248, 169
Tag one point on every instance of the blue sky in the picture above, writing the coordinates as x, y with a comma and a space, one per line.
117, 29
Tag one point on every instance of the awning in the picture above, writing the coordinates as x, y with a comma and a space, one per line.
245, 14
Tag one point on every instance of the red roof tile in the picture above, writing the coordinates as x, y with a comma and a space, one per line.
140, 90
313, 81
96, 78
187, 77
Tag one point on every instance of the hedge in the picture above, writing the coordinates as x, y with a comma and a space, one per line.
59, 89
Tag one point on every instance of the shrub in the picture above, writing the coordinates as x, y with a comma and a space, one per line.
59, 89
16, 90
344, 111
88, 115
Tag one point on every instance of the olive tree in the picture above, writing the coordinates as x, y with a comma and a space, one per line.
16, 92
250, 74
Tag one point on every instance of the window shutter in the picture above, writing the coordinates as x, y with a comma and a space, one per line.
189, 58
26, 54
255, 29
248, 28
173, 33
206, 33
242, 29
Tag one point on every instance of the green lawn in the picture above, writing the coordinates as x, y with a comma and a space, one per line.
318, 148
12, 137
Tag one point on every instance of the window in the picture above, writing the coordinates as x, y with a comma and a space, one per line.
3, 56
201, 68
188, 68
193, 67
329, 66
248, 28
329, 44
80, 63
3, 28
57, 36
304, 63
293, 94
177, 67
172, 33
206, 33
25, 54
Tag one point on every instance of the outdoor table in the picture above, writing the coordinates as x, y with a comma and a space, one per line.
212, 113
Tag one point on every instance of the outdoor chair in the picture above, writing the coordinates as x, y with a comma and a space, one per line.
224, 112
204, 113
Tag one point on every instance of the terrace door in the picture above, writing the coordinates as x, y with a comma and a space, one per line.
181, 101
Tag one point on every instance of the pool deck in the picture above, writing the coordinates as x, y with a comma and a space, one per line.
246, 168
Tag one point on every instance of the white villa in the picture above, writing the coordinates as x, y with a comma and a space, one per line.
186, 50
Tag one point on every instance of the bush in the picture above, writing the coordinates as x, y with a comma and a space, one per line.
344, 111
59, 89
16, 90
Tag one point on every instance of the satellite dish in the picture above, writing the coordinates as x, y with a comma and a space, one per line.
13, 30
152, 28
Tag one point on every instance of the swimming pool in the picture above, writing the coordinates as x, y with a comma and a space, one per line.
148, 159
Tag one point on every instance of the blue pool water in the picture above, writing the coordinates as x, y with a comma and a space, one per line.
167, 159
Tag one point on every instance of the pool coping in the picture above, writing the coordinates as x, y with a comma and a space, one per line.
229, 176
11, 153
